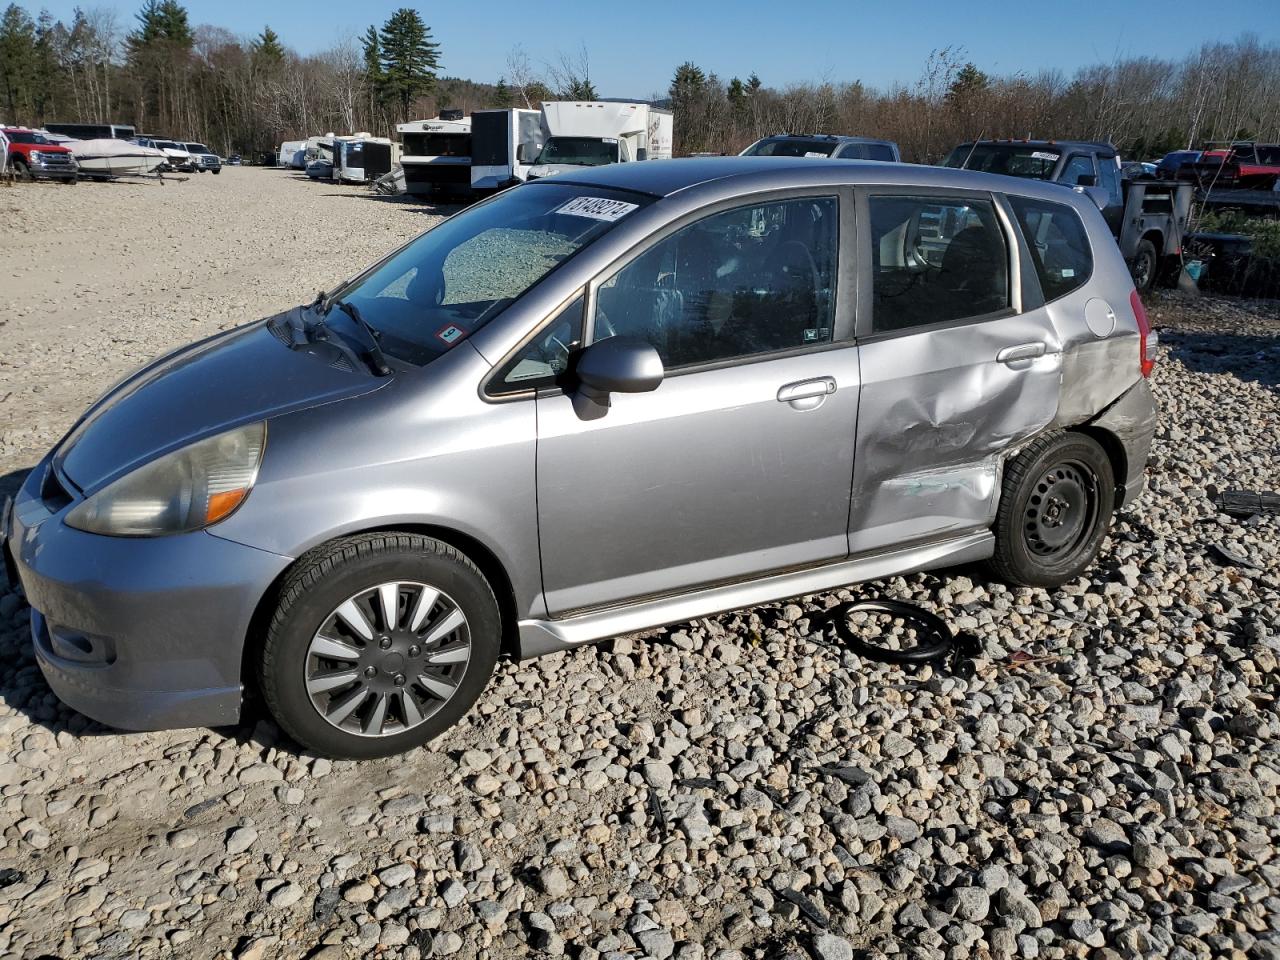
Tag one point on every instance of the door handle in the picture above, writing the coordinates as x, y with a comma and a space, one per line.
806, 389
1023, 351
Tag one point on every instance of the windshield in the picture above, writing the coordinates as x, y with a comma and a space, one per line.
790, 147
196, 148
455, 278
579, 151
1030, 163
16, 136
1268, 153
169, 145
437, 144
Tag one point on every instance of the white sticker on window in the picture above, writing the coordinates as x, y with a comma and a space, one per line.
1041, 155
816, 153
597, 208
1068, 272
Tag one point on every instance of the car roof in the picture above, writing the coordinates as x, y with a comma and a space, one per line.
1060, 144
662, 178
833, 137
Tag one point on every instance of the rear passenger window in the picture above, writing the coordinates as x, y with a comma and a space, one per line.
935, 260
1059, 244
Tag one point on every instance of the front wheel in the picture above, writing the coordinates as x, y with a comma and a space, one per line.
1055, 506
21, 171
379, 643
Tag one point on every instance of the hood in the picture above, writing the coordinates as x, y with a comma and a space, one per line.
230, 379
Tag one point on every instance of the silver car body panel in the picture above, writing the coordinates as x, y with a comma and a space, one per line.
707, 494
538, 637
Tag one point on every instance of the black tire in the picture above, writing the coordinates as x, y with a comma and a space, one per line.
326, 577
1145, 266
1056, 503
21, 171
217, 171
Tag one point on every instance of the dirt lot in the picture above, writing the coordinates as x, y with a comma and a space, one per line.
734, 787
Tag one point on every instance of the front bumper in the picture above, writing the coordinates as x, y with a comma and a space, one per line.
55, 167
136, 633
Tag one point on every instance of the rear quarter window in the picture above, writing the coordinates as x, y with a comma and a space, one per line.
1059, 244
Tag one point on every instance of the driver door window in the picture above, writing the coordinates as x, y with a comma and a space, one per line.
746, 282
1078, 166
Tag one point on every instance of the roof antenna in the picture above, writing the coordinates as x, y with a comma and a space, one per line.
973, 147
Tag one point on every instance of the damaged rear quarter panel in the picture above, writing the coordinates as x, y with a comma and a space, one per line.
938, 411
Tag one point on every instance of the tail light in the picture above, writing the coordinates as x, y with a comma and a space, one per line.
1147, 337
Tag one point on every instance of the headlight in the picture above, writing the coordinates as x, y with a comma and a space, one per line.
186, 490
34, 155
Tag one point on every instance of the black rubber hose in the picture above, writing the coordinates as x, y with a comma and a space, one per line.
937, 642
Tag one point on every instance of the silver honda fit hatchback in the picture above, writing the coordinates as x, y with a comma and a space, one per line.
590, 405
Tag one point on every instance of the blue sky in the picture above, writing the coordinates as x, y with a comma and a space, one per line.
634, 48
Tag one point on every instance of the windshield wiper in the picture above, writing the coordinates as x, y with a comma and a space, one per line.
377, 359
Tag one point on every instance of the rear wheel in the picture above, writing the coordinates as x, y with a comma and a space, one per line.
379, 643
1145, 266
1055, 507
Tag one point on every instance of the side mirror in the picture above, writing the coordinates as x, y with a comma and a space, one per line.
1087, 180
618, 365
525, 153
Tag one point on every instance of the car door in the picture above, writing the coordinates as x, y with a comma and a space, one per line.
955, 366
740, 462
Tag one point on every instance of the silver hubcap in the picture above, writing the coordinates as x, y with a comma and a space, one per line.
387, 659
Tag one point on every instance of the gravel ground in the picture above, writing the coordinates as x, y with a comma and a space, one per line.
736, 787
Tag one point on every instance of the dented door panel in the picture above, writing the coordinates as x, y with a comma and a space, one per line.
940, 405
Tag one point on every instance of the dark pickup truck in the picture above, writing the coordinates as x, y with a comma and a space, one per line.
1147, 217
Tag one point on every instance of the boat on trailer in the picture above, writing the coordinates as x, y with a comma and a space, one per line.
115, 158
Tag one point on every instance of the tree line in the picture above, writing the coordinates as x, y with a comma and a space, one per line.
245, 95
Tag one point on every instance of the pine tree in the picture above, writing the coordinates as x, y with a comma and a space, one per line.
409, 58
502, 94
267, 46
579, 88
17, 63
753, 84
161, 24
970, 82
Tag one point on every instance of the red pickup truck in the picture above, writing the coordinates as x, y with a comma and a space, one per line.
1247, 165
33, 157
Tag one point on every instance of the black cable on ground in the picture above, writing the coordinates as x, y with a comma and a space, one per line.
936, 646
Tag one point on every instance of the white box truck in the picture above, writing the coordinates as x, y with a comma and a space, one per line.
504, 144
591, 133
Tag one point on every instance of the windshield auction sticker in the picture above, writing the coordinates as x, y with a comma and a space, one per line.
1040, 155
597, 208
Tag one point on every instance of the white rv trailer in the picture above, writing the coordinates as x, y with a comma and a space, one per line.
504, 144
590, 133
362, 158
436, 154
292, 154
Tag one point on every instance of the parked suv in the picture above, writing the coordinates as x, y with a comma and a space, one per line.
33, 156
203, 158
824, 145
609, 400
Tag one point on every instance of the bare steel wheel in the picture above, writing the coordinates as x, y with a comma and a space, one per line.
388, 658
1061, 510
379, 642
1056, 502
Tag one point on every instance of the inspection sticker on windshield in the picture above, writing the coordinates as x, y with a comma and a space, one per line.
1041, 155
597, 208
816, 154
450, 334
